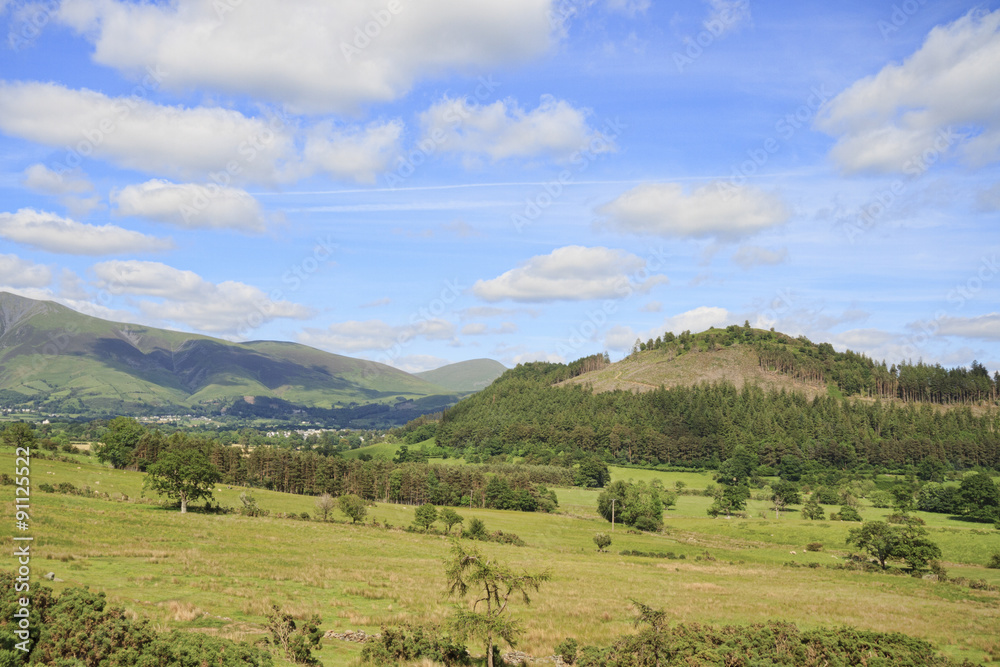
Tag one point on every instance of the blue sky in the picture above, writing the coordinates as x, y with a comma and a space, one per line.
422, 182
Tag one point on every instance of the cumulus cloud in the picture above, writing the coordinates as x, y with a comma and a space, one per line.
18, 272
137, 134
714, 210
504, 130
908, 115
355, 153
191, 205
50, 232
696, 320
40, 178
315, 56
749, 256
228, 307
984, 327
572, 273
354, 335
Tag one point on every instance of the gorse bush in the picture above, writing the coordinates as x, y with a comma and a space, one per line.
79, 627
413, 642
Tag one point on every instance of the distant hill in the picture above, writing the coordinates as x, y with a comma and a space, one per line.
691, 399
71, 362
465, 376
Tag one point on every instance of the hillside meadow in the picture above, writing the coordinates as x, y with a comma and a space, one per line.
219, 573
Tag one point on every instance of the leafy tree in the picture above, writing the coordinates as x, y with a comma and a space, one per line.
476, 529
790, 468
449, 518
847, 513
603, 541
324, 505
980, 497
632, 503
425, 515
730, 498
884, 541
904, 497
493, 583
353, 506
184, 475
593, 473
295, 641
784, 494
812, 510
18, 434
119, 442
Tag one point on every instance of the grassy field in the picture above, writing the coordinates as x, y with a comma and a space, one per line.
220, 573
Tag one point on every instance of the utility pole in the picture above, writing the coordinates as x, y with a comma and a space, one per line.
613, 514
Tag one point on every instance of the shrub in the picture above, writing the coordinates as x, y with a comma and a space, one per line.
567, 650
410, 643
602, 540
847, 513
994, 561
47, 488
814, 546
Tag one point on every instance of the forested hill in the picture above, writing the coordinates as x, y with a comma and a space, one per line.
699, 423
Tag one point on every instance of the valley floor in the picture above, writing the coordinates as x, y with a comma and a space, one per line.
220, 573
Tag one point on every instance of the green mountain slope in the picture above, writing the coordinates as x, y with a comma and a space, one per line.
465, 376
50, 352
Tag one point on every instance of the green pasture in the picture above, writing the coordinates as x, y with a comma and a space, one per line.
220, 573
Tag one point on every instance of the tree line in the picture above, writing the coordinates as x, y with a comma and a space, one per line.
128, 444
521, 412
853, 373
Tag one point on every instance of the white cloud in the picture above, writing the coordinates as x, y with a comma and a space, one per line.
358, 154
356, 335
504, 130
572, 273
749, 256
228, 307
985, 327
619, 337
50, 232
137, 134
18, 272
190, 205
908, 115
526, 357
40, 178
698, 319
652, 307
713, 210
312, 55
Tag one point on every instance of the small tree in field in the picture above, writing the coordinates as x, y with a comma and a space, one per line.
353, 506
812, 510
449, 518
18, 434
493, 584
425, 515
184, 475
324, 505
602, 540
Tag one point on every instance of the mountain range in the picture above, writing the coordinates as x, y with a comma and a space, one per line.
55, 357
